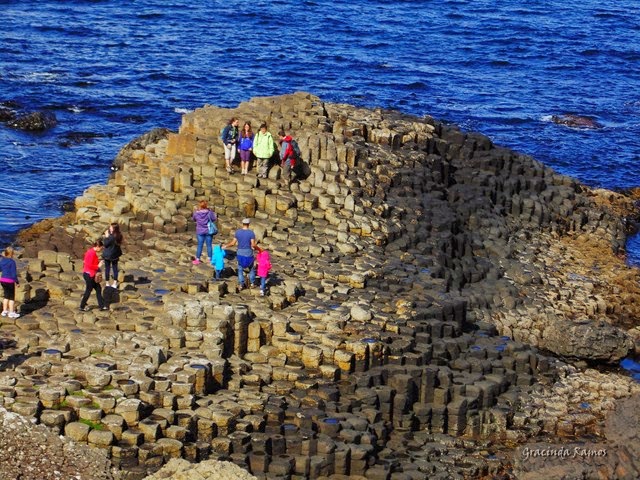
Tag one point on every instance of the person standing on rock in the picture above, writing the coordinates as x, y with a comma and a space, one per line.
90, 268
112, 252
287, 157
229, 137
245, 146
245, 239
263, 148
218, 261
9, 280
202, 215
264, 267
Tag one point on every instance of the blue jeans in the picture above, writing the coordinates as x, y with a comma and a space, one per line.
252, 272
263, 283
205, 237
107, 269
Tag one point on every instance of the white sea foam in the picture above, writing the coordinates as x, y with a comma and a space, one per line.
182, 110
41, 77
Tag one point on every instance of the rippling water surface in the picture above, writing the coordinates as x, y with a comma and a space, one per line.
110, 71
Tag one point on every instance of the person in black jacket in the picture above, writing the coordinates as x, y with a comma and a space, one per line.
112, 251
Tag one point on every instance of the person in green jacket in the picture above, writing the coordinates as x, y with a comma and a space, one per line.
263, 148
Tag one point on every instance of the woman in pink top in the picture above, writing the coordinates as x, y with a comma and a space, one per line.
90, 267
264, 267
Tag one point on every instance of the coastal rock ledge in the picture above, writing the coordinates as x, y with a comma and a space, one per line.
425, 281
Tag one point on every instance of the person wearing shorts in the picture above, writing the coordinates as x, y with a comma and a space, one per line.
9, 280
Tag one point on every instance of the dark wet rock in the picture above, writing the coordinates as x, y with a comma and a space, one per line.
75, 138
577, 121
6, 114
12, 104
35, 121
134, 119
59, 201
587, 340
68, 206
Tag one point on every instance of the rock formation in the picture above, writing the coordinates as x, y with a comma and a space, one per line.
34, 121
417, 271
577, 121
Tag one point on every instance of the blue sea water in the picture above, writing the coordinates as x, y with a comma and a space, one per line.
111, 71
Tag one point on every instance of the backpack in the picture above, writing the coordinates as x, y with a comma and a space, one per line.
212, 227
295, 148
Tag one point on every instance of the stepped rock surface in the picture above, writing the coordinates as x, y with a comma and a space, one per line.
436, 309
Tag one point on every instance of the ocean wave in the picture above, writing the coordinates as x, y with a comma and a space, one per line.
500, 68
36, 77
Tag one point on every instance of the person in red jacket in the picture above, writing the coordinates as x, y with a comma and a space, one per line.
287, 157
91, 266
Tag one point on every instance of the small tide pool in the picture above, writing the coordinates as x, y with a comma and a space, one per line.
631, 366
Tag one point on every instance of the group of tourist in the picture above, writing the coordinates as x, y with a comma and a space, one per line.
104, 252
251, 258
109, 247
261, 145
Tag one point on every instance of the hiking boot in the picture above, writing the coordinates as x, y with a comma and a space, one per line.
262, 293
84, 309
196, 261
13, 315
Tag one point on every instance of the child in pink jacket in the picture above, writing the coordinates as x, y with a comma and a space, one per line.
264, 266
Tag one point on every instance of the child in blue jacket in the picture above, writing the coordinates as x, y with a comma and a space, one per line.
218, 261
